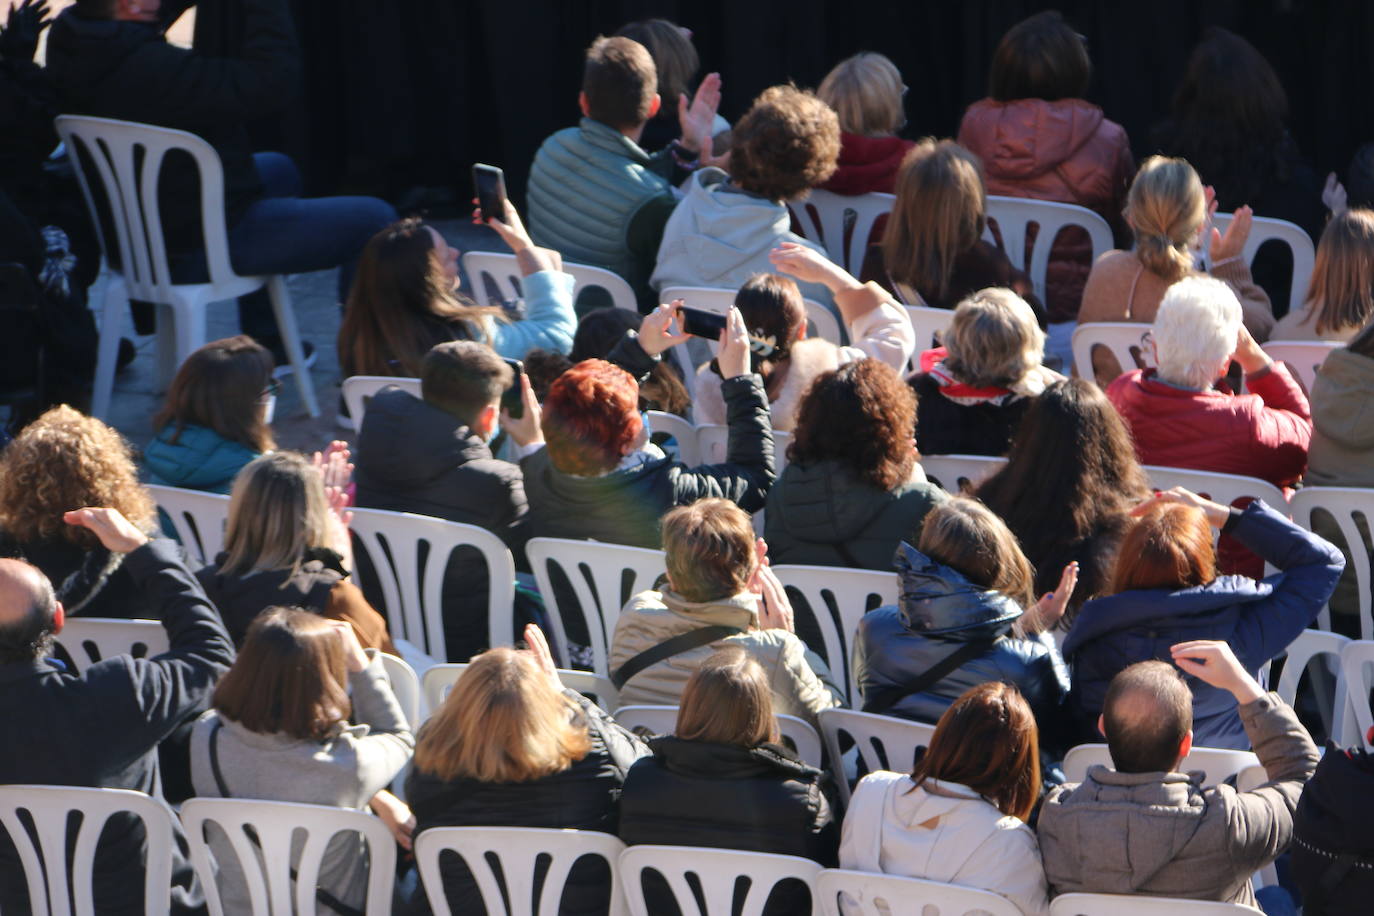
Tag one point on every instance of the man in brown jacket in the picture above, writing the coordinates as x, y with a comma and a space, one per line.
1143, 827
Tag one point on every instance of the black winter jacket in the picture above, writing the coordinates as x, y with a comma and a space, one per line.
624, 506
89, 583
944, 427
240, 599
102, 729
586, 796
1333, 818
127, 70
938, 612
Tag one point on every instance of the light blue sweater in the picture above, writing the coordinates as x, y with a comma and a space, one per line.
549, 318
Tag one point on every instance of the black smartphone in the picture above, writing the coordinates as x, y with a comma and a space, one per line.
700, 323
511, 401
489, 182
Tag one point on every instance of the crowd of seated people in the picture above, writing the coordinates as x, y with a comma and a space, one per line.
1059, 600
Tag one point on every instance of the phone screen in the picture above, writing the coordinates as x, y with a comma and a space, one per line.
511, 401
489, 182
701, 323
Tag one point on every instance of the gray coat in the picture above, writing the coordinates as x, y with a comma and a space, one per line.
1164, 834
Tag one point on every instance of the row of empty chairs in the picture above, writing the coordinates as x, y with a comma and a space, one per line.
519, 871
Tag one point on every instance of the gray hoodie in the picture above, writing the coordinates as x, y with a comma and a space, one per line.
1342, 449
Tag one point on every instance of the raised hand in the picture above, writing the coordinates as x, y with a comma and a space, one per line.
733, 358
1216, 513
1232, 243
1212, 662
539, 647
116, 533
1046, 612
528, 428
27, 20
697, 119
656, 330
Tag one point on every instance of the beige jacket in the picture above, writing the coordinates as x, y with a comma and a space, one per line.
1301, 324
802, 684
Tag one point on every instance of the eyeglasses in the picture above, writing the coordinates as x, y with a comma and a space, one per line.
271, 391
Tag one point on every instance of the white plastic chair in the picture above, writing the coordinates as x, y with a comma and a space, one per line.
267, 864
680, 429
841, 892
1217, 764
1012, 215
130, 189
838, 599
661, 720
713, 442
357, 391
1348, 507
1125, 340
1141, 905
1357, 659
99, 638
405, 683
503, 269
842, 223
597, 573
1325, 649
439, 680
927, 322
718, 872
821, 322
46, 872
197, 517
1264, 229
1222, 488
883, 742
413, 593
953, 472
1303, 357
518, 849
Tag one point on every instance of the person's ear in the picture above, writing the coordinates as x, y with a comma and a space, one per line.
59, 618
1185, 748
1102, 725
655, 106
583, 104
486, 421
1154, 349
1369, 736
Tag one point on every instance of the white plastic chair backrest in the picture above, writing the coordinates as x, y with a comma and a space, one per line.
843, 223
503, 268
1013, 214
1223, 488
198, 518
266, 865
1141, 905
883, 742
662, 720
1266, 228
1349, 507
405, 683
952, 472
680, 429
1217, 764
45, 863
91, 639
821, 322
1311, 645
712, 444
838, 599
1117, 336
129, 186
518, 850
439, 680
1303, 357
927, 322
717, 871
841, 892
358, 390
1357, 664
413, 593
603, 577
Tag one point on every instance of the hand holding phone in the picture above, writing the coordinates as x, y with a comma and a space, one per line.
489, 183
701, 323
511, 401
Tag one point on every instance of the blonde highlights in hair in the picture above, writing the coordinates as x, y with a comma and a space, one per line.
277, 511
939, 214
967, 536
993, 341
866, 93
1342, 292
1165, 208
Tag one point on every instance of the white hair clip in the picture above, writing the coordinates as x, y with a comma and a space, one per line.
763, 346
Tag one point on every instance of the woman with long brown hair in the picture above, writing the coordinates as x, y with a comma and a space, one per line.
1165, 589
405, 300
1340, 298
960, 816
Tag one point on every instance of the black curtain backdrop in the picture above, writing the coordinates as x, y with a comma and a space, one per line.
405, 93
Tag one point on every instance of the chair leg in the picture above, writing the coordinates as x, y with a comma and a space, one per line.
116, 304
166, 345
291, 340
189, 331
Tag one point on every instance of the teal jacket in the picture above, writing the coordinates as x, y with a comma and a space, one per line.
200, 459
599, 199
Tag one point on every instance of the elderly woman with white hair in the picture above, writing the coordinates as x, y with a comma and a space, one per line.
972, 392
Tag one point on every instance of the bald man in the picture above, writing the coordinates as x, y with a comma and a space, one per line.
1143, 827
102, 728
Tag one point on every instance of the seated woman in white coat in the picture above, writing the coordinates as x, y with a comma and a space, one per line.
960, 817
780, 351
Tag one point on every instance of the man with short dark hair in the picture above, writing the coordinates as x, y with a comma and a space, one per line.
429, 455
102, 728
594, 194
1145, 828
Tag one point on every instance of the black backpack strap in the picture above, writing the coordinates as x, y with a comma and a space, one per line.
683, 642
886, 698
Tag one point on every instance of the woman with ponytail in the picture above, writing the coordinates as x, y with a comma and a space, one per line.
1168, 211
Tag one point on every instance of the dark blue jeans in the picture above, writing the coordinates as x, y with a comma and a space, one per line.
284, 233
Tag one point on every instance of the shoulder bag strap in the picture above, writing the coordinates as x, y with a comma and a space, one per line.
886, 698
683, 642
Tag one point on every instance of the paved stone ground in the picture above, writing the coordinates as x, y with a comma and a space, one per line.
137, 398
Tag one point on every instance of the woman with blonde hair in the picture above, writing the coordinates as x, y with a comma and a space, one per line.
511, 747
305, 715
960, 816
65, 460
966, 615
868, 96
1340, 298
286, 543
932, 251
1169, 212
972, 391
